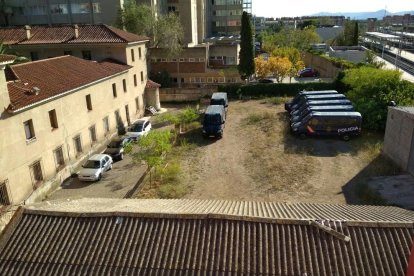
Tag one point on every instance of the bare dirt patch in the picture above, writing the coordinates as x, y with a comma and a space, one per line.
258, 159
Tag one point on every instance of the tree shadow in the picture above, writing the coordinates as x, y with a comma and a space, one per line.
195, 136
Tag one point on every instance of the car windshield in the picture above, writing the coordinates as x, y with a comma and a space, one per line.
137, 127
92, 164
217, 102
115, 144
212, 119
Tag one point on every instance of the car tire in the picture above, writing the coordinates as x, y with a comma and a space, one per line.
99, 177
302, 136
110, 167
346, 137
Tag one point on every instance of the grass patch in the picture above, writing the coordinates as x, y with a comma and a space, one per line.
277, 100
256, 118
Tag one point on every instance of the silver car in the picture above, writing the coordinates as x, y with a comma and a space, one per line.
95, 167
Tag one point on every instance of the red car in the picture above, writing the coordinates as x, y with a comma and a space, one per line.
308, 73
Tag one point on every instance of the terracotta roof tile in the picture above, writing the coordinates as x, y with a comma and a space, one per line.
152, 84
7, 58
55, 76
99, 33
137, 242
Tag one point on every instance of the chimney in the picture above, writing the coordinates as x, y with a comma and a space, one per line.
76, 28
28, 34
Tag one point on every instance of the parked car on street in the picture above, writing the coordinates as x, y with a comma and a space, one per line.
116, 147
139, 128
265, 81
308, 73
95, 167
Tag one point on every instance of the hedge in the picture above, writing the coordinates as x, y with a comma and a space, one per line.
260, 90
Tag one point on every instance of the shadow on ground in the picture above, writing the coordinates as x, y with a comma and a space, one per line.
195, 137
356, 191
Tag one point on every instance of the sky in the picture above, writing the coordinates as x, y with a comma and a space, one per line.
277, 8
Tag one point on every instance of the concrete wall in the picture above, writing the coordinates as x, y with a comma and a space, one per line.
184, 94
325, 68
399, 135
353, 54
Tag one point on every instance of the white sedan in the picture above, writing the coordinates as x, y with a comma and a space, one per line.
139, 128
95, 167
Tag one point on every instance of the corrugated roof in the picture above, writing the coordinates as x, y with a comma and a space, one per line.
98, 33
54, 77
46, 240
7, 58
272, 210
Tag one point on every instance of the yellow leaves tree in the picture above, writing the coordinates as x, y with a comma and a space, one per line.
262, 67
294, 57
279, 67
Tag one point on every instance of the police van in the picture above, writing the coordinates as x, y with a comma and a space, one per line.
295, 100
305, 105
320, 108
341, 124
307, 98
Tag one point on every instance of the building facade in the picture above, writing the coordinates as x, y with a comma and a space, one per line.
57, 111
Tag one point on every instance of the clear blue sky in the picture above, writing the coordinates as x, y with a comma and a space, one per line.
277, 8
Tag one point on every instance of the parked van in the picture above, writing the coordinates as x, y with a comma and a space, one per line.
342, 124
220, 98
320, 108
295, 100
307, 98
214, 119
319, 103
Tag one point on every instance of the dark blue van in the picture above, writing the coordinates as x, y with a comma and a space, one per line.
341, 124
320, 108
320, 103
214, 119
307, 98
297, 98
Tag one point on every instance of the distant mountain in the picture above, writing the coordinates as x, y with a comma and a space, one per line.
363, 15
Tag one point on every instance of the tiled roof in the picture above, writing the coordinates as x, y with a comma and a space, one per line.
7, 58
188, 239
54, 77
98, 33
152, 84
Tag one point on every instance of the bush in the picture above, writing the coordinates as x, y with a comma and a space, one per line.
258, 90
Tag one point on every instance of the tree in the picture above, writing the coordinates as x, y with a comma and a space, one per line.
372, 60
350, 35
262, 67
153, 148
279, 67
294, 57
370, 91
287, 37
246, 64
355, 35
164, 31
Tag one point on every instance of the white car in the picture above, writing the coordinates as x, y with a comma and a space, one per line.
95, 167
139, 128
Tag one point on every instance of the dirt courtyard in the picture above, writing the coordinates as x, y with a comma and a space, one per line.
258, 159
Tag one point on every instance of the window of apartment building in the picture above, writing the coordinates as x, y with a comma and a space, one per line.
118, 119
201, 59
58, 9
231, 60
4, 195
96, 7
182, 59
135, 80
34, 56
38, 9
67, 53
124, 85
114, 90
139, 52
191, 59
86, 55
127, 114
59, 159
18, 11
106, 125
53, 119
132, 55
80, 8
92, 134
142, 76
29, 130
36, 173
171, 8
88, 102
137, 104
78, 144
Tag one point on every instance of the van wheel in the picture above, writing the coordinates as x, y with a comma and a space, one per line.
100, 177
302, 136
346, 137
220, 135
121, 157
